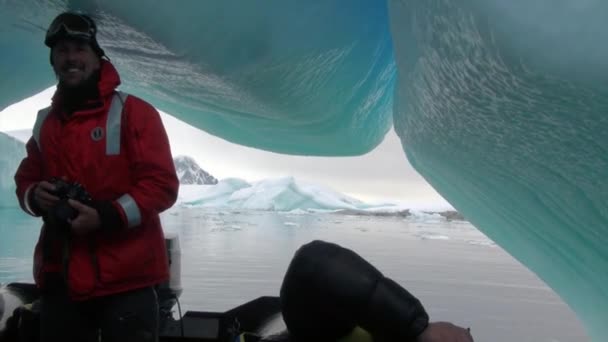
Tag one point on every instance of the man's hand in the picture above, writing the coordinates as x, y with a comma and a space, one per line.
43, 196
445, 332
87, 220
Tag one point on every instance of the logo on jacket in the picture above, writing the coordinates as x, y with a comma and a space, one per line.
97, 133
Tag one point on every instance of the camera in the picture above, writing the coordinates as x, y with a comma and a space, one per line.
63, 211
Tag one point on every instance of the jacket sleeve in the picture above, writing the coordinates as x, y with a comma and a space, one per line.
154, 181
28, 174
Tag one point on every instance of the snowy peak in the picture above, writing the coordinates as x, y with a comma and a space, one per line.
189, 172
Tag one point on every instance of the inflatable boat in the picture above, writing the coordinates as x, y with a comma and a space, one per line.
248, 322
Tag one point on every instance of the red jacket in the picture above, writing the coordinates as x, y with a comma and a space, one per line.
122, 160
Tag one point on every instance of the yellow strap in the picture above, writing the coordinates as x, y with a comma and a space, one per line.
357, 335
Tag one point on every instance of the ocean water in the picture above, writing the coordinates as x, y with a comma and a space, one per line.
232, 256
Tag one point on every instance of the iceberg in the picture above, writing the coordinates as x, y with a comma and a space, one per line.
210, 195
231, 66
12, 152
500, 105
499, 108
282, 194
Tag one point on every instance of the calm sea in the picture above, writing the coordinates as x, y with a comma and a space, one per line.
230, 257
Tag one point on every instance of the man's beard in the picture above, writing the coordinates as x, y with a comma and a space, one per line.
89, 82
83, 91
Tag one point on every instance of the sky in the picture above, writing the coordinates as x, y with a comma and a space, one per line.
383, 174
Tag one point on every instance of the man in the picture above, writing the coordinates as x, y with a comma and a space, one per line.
98, 259
330, 294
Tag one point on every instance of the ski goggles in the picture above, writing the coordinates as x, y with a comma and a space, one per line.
70, 25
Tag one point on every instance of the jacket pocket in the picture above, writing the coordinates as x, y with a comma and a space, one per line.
81, 268
124, 257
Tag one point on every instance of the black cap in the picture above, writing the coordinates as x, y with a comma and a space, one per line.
73, 25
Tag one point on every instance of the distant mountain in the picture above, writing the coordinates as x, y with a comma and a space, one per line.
189, 172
